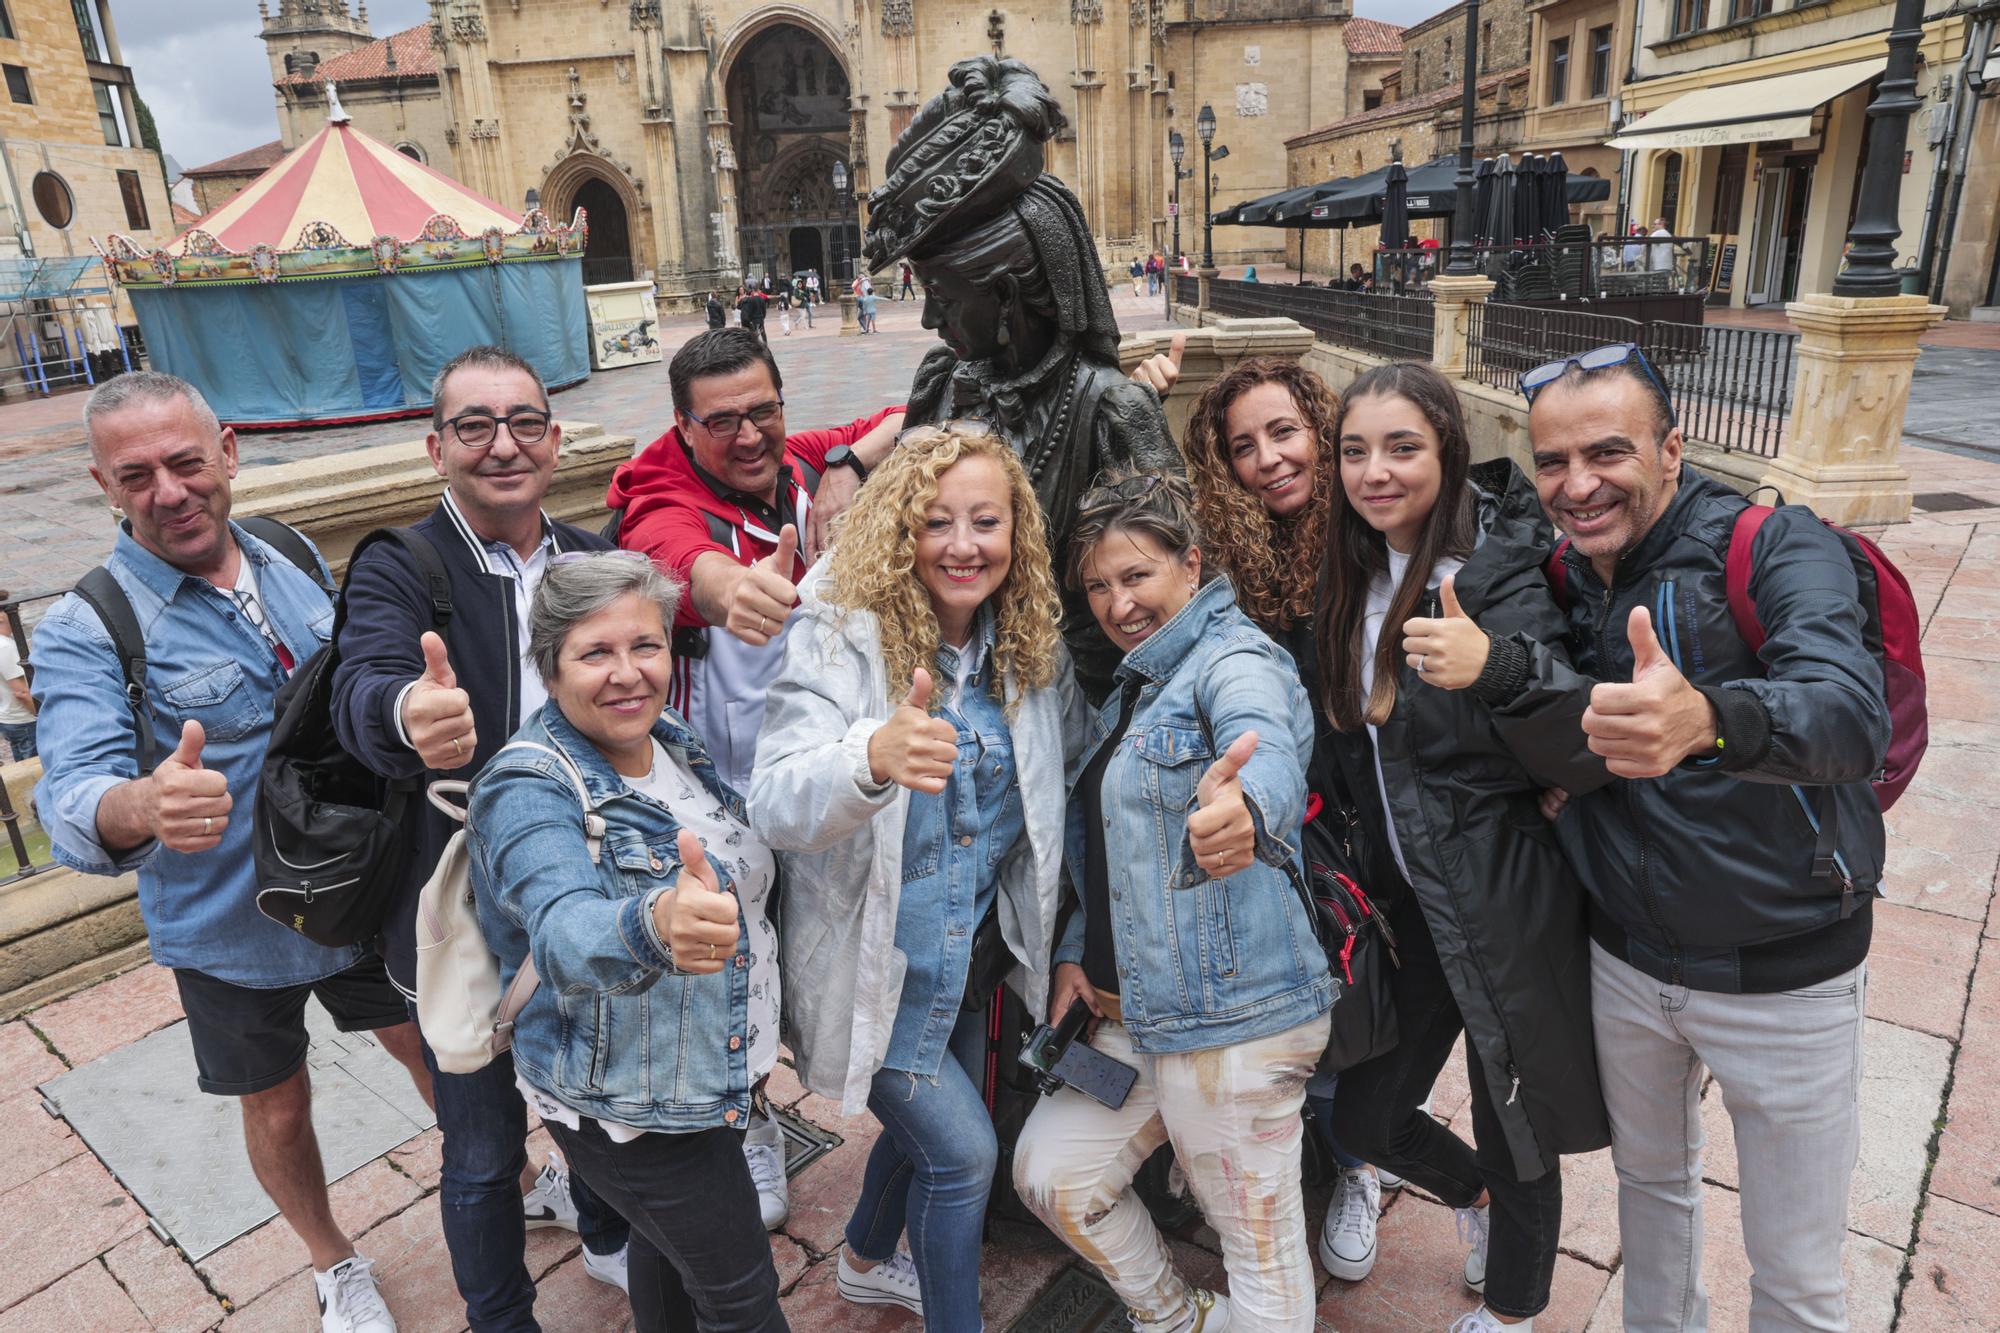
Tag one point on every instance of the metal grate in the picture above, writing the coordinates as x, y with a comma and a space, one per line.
1076, 1302
1951, 502
1396, 327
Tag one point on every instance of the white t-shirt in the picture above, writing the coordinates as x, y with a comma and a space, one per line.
752, 870
1380, 591
12, 711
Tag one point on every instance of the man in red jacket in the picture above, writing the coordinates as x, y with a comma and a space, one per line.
729, 503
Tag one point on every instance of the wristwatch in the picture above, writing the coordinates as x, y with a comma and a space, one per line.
842, 456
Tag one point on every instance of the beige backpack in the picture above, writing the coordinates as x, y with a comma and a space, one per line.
460, 1008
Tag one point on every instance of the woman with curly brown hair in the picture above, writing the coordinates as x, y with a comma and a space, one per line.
912, 774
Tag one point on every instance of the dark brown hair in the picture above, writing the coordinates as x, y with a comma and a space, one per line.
1356, 552
1274, 562
1152, 504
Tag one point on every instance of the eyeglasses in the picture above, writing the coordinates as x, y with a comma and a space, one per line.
1597, 358
1131, 488
728, 425
576, 557
477, 430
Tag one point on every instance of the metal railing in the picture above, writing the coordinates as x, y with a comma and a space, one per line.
1731, 388
1184, 289
1602, 269
1397, 327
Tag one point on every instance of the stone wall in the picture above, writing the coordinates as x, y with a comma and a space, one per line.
1434, 50
396, 112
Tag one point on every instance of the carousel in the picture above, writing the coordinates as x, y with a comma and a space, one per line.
335, 286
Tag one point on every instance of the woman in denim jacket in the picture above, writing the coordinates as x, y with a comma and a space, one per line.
912, 771
1191, 946
657, 1008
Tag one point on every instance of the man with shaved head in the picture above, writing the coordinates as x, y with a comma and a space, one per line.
164, 785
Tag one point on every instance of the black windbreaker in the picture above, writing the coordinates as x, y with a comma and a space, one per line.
1464, 771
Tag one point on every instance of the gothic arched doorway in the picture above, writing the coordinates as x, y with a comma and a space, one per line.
788, 106
607, 253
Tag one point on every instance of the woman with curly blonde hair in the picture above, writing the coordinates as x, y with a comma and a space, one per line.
912, 774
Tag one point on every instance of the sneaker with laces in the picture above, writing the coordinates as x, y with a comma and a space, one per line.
1483, 1321
764, 1154
1388, 1180
607, 1268
1473, 1230
549, 1203
349, 1301
1347, 1239
891, 1282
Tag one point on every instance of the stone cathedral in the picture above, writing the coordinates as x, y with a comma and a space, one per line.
712, 139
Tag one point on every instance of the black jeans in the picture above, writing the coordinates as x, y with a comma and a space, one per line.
699, 1258
1377, 1114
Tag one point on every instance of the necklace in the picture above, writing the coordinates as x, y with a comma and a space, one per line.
1045, 448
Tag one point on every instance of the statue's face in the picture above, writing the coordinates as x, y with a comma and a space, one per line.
966, 316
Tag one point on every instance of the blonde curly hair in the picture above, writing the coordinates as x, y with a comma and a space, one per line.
873, 565
1274, 562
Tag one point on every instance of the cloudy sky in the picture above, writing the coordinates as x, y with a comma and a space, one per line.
202, 69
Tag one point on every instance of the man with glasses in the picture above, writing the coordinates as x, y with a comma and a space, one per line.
408, 703
1733, 854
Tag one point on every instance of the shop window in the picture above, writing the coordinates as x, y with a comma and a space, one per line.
1670, 190
1558, 71
17, 83
107, 115
134, 195
1600, 61
53, 199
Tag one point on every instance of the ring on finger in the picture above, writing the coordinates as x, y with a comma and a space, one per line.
207, 823
1421, 659
457, 746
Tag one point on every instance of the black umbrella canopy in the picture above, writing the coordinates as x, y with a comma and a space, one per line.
1523, 228
1259, 212
1482, 201
1395, 207
1555, 196
1499, 225
1310, 210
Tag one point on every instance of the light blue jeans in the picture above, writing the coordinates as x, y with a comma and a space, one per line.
1788, 1066
931, 1171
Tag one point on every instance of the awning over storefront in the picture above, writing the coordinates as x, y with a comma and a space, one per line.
1779, 107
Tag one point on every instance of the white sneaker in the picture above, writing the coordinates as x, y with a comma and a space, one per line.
764, 1154
1472, 1229
891, 1282
349, 1301
1482, 1321
549, 1203
1211, 1312
607, 1268
1347, 1240
1388, 1180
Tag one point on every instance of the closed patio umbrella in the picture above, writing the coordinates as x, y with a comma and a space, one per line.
1395, 207
1482, 202
1555, 200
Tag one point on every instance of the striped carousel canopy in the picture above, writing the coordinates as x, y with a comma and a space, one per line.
358, 186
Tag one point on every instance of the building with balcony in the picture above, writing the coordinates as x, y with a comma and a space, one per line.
1578, 53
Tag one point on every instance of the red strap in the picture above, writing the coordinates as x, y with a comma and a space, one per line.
1736, 574
1558, 575
1313, 806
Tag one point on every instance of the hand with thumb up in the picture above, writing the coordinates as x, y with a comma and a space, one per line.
763, 594
696, 918
190, 806
1162, 370
1645, 728
914, 749
437, 715
1221, 833
1449, 651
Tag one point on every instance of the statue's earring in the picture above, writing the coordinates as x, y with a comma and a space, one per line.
1002, 338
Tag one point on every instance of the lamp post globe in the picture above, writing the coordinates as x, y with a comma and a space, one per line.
841, 203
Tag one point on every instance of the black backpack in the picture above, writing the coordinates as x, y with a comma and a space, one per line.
332, 838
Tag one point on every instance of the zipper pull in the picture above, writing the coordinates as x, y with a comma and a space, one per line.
1515, 1091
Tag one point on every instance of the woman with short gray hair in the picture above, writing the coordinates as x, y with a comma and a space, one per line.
656, 1013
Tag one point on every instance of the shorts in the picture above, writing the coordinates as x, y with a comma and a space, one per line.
252, 1038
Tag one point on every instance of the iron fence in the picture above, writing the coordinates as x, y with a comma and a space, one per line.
1397, 327
1730, 388
1186, 289
1592, 270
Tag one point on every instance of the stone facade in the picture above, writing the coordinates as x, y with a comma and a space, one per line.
1574, 118
1434, 50
216, 183
388, 87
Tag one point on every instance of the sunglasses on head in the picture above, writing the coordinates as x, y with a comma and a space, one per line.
576, 557
1131, 488
1597, 358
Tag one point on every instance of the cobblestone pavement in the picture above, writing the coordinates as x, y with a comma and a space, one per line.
1925, 1208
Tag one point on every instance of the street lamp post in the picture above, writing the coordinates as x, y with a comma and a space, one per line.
842, 203
1204, 128
1462, 259
1871, 254
1176, 150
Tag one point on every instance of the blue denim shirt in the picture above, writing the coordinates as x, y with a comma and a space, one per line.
953, 844
205, 663
613, 1030
1202, 962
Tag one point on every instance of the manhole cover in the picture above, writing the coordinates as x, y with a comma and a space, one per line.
180, 1151
1076, 1302
805, 1142
1947, 502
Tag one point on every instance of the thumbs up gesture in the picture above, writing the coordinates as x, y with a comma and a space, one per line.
190, 803
764, 595
437, 715
1645, 728
1221, 833
696, 918
1162, 370
1450, 651
914, 749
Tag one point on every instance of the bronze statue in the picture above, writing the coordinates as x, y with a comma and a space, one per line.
1014, 286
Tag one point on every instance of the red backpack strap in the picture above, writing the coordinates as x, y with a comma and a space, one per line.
1736, 574
1558, 576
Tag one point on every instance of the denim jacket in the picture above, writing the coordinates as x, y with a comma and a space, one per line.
1202, 962
614, 1031
205, 663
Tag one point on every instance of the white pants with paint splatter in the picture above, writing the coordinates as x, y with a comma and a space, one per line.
1232, 1115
